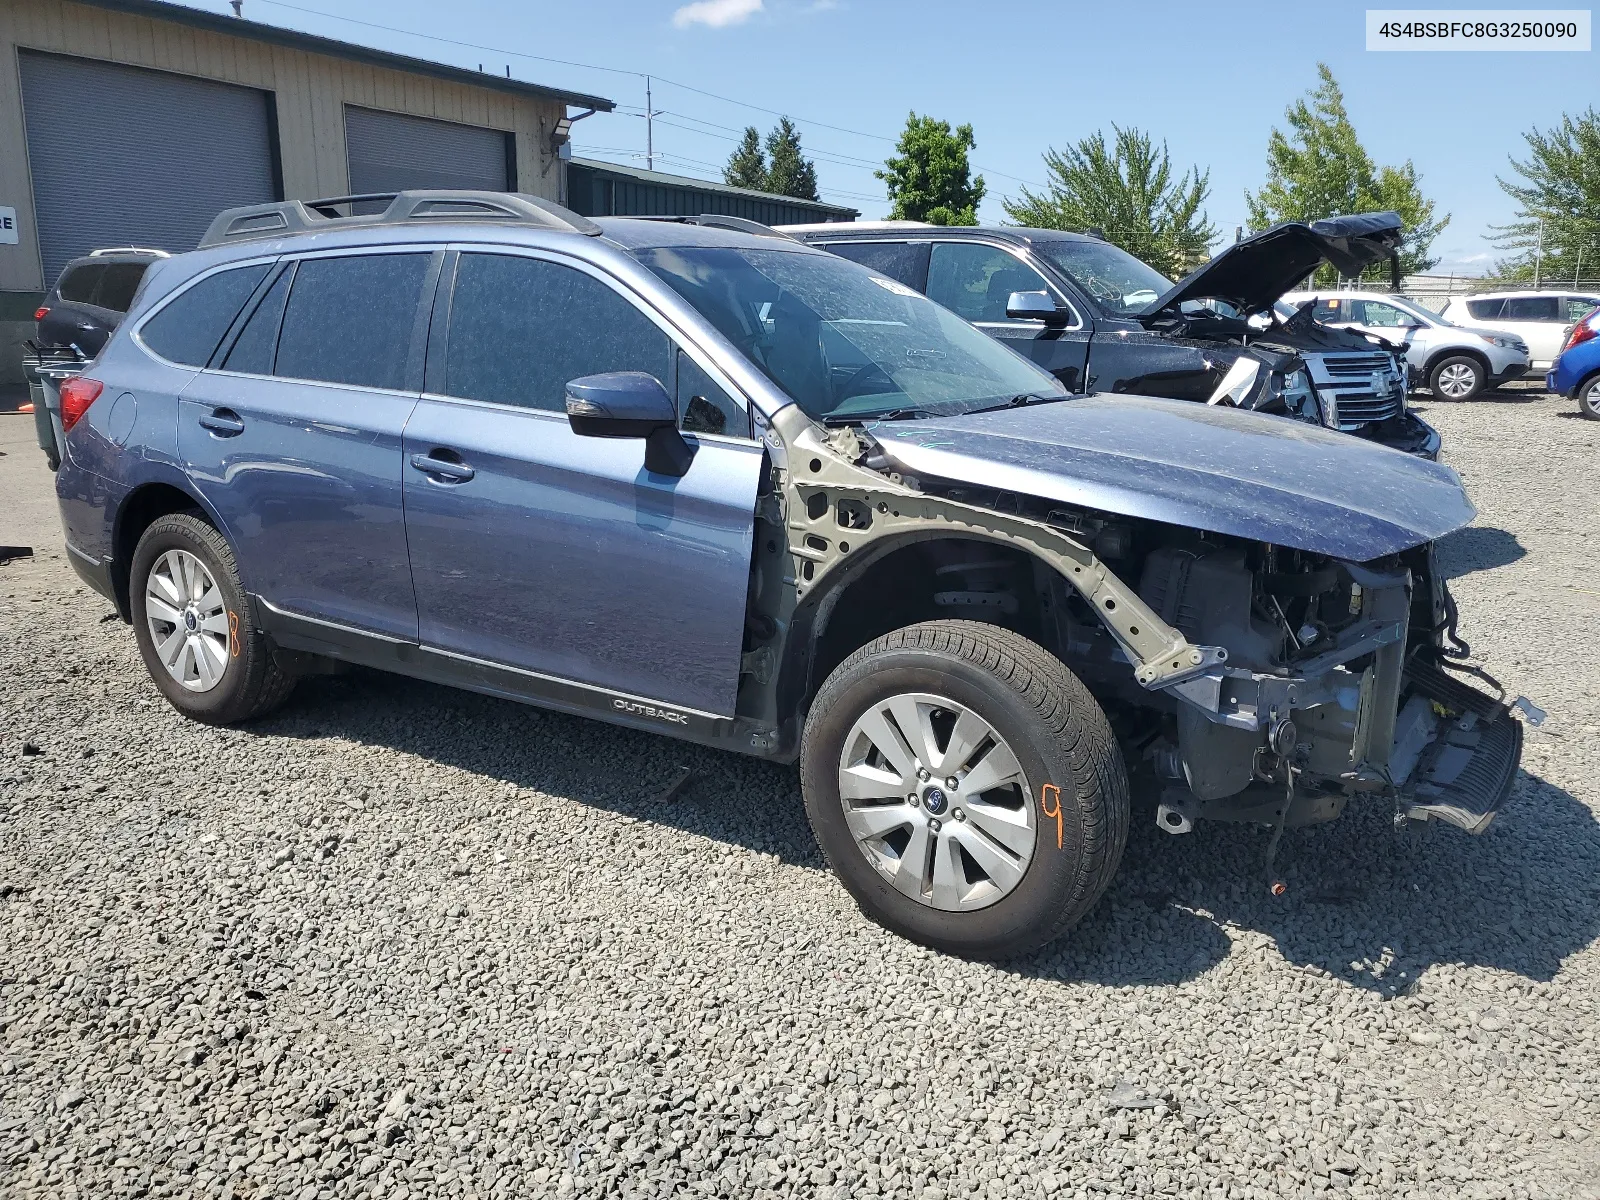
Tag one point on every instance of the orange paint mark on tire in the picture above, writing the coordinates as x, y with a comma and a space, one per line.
233, 634
1046, 793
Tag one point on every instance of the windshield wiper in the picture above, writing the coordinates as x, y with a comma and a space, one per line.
1022, 401
894, 414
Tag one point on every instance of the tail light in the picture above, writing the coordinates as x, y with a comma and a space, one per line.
76, 397
41, 312
1583, 331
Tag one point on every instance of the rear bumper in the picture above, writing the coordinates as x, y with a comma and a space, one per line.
96, 573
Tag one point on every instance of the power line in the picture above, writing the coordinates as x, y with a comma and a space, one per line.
567, 62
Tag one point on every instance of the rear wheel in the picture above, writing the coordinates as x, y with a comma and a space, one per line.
965, 787
1456, 378
1589, 398
192, 619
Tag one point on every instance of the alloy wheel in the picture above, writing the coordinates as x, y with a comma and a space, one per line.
937, 802
1457, 381
188, 620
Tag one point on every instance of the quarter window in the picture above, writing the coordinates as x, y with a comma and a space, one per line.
703, 407
975, 281
1485, 310
1578, 307
350, 320
77, 285
188, 329
520, 328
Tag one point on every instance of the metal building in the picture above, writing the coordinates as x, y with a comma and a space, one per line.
132, 122
602, 189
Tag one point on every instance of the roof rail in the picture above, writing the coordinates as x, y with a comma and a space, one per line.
129, 250
718, 221
285, 217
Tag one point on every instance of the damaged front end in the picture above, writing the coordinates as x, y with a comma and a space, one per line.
1341, 680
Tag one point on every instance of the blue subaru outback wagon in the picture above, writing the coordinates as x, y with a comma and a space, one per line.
689, 475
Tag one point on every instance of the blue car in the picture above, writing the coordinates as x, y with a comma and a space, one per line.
1576, 371
692, 476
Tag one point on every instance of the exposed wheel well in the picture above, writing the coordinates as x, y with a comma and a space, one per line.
926, 580
139, 511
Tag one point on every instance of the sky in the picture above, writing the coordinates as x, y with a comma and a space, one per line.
1210, 80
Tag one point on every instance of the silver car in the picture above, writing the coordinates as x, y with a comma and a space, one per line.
1452, 362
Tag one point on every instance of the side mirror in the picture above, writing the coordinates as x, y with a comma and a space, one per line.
1035, 306
630, 404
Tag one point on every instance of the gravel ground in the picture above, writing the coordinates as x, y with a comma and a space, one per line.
404, 941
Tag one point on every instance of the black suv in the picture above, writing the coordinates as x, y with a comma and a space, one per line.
91, 297
1102, 321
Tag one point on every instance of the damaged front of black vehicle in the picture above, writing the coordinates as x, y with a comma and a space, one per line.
1294, 366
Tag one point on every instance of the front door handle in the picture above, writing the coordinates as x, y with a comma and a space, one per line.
223, 422
451, 469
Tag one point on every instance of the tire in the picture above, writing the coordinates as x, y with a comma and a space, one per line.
1071, 784
228, 664
1589, 398
1456, 377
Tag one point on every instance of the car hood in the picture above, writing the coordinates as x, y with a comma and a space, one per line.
1254, 272
1227, 471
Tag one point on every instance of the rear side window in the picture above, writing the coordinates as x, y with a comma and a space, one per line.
1532, 308
117, 286
1579, 307
351, 320
520, 328
905, 261
188, 329
1485, 310
78, 284
253, 350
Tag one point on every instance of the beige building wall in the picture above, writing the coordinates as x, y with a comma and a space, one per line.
311, 91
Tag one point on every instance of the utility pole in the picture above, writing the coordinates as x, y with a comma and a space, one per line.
1538, 256
650, 130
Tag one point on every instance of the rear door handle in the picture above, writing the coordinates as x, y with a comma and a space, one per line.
223, 422
442, 468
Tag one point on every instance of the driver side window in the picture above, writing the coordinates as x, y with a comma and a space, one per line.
975, 281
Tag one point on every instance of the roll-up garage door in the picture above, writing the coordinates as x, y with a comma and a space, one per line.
127, 157
390, 152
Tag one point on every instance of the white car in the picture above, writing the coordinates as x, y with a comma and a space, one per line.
1539, 318
1452, 362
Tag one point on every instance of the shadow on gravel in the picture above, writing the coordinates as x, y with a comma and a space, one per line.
1478, 548
1365, 904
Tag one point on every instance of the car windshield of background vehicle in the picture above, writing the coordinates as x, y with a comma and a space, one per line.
846, 343
1118, 281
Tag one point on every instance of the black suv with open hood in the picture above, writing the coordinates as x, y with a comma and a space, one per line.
1102, 321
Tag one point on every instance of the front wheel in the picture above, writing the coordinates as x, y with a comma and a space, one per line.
1589, 399
965, 787
1456, 378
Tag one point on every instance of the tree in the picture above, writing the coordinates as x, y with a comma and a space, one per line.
782, 168
747, 166
1320, 169
931, 179
1558, 198
790, 173
1129, 194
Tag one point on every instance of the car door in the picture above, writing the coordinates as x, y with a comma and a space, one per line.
1537, 320
561, 556
975, 279
294, 434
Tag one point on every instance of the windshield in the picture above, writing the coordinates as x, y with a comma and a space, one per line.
845, 343
1116, 279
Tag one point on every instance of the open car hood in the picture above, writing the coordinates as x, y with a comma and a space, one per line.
1252, 273
1226, 471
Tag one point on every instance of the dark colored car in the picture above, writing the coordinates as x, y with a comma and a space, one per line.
91, 297
724, 486
1100, 320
